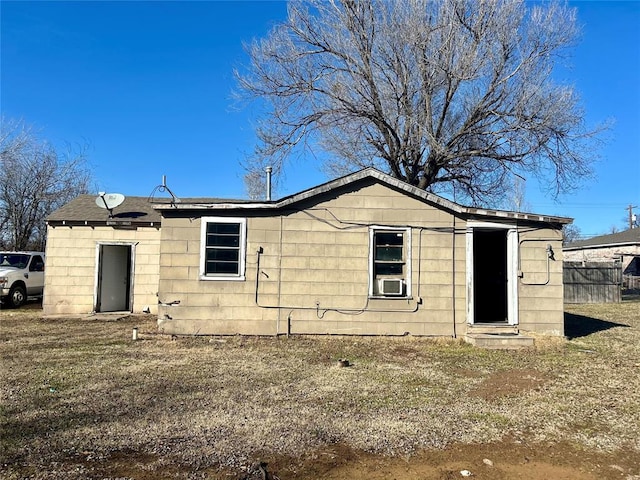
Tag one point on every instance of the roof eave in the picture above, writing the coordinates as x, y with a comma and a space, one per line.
102, 223
507, 215
601, 245
214, 206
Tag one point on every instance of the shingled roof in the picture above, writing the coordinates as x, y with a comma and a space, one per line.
83, 210
628, 237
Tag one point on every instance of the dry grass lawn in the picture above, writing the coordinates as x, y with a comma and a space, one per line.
80, 399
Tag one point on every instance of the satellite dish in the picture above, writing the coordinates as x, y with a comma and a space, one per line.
109, 201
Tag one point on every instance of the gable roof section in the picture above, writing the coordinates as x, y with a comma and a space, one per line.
367, 173
373, 174
628, 237
83, 210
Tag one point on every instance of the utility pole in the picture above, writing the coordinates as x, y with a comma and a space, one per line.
631, 215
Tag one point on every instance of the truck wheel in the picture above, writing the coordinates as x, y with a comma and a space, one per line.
17, 296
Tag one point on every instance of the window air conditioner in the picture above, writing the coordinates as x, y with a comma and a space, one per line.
390, 286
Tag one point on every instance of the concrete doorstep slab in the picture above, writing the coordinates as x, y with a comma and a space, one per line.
499, 341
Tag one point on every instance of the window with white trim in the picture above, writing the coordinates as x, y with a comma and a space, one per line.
390, 262
222, 248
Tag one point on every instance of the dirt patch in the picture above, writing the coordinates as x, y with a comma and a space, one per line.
496, 461
491, 462
509, 382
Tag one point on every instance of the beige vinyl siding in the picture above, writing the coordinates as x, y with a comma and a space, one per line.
314, 265
212, 306
70, 270
541, 304
314, 271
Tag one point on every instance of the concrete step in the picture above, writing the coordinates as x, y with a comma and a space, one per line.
499, 341
493, 329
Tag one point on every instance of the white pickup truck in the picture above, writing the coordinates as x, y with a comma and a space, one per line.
21, 276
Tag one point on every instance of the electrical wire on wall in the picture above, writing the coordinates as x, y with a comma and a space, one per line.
550, 255
339, 224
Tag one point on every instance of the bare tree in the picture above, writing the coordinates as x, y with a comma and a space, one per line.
514, 197
35, 181
570, 233
443, 94
255, 184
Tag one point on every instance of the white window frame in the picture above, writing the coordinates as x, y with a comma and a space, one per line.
240, 276
407, 256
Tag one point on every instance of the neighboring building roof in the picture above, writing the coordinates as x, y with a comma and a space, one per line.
628, 237
83, 210
367, 173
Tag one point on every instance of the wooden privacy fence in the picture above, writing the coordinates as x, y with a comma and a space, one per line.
592, 282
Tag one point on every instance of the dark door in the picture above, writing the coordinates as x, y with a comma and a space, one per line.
490, 276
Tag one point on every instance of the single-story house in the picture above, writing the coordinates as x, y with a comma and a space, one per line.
97, 261
365, 254
623, 247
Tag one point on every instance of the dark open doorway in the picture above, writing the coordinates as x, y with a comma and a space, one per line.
490, 276
114, 278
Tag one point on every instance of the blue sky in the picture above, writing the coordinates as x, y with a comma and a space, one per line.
148, 84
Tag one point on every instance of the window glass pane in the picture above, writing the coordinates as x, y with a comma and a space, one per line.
395, 269
224, 255
37, 264
18, 261
223, 240
389, 253
224, 228
389, 238
212, 268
